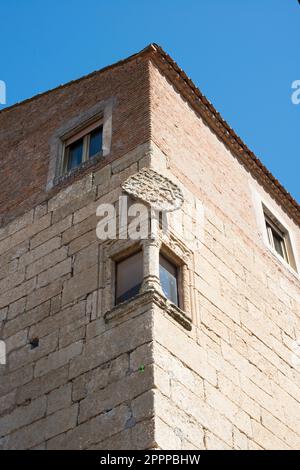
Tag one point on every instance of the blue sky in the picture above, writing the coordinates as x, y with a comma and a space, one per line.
242, 54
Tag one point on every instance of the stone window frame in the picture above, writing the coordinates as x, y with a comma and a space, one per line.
116, 250
113, 252
264, 209
101, 111
176, 250
281, 228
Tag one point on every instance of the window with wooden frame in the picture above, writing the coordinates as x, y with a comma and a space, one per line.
82, 146
279, 238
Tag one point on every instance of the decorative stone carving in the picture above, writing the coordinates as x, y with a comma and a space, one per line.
156, 190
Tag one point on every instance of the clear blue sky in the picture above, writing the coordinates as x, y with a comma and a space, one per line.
242, 54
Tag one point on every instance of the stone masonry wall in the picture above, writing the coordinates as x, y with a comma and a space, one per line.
80, 387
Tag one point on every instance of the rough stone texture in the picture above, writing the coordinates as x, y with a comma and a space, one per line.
136, 378
154, 189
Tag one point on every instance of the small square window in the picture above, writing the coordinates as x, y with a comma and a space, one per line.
82, 146
279, 239
168, 273
129, 277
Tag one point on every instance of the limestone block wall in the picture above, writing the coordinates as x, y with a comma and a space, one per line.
80, 386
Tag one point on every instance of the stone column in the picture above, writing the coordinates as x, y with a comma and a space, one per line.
151, 249
185, 290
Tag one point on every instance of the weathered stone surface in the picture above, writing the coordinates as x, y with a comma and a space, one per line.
42, 385
92, 431
80, 285
16, 308
27, 355
42, 294
102, 176
26, 437
86, 258
16, 341
60, 320
17, 292
141, 356
57, 359
133, 333
26, 319
10, 381
33, 255
53, 231
59, 398
24, 234
7, 402
143, 406
154, 189
42, 264
61, 421
115, 394
23, 415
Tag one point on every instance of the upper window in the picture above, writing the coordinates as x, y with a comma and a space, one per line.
129, 277
279, 239
276, 239
168, 274
82, 146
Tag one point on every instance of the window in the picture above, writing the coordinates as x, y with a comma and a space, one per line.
279, 238
82, 146
276, 239
168, 274
129, 277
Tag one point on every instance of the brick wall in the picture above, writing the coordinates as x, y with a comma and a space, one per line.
26, 130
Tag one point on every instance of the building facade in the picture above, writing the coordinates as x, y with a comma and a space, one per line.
186, 338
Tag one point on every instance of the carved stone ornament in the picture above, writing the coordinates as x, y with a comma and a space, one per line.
157, 191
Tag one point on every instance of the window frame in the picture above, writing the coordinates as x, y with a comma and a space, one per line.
123, 257
100, 110
271, 228
288, 258
177, 263
84, 132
